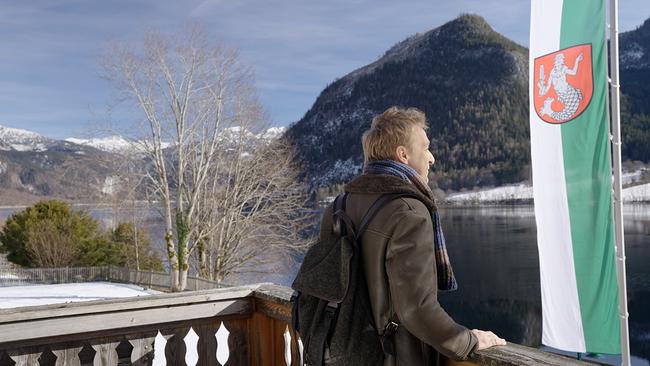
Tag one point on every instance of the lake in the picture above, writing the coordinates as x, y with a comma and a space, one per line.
494, 253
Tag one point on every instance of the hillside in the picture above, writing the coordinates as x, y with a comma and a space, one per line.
472, 83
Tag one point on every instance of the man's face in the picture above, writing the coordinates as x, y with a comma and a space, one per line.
419, 157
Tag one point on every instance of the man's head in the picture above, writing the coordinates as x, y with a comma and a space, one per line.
399, 134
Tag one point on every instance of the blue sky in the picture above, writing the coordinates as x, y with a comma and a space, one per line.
50, 79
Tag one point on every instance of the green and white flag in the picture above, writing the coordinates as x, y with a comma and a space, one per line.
572, 175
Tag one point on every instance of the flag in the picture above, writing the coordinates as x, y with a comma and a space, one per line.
572, 176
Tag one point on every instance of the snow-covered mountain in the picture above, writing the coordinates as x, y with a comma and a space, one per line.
33, 166
110, 144
272, 133
119, 144
22, 140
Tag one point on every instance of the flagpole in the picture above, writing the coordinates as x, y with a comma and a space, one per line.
617, 195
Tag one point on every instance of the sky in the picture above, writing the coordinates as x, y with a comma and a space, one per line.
50, 78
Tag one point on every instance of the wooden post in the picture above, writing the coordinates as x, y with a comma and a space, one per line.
67, 356
106, 354
175, 349
21, 358
207, 347
143, 350
239, 341
262, 339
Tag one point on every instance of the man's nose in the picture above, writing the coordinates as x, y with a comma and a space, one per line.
431, 159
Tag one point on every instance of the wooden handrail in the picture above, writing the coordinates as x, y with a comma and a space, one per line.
255, 316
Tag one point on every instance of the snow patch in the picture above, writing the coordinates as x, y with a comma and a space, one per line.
518, 192
632, 56
35, 295
109, 144
524, 192
272, 133
640, 193
110, 185
342, 171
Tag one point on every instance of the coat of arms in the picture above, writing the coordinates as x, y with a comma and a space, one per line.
565, 92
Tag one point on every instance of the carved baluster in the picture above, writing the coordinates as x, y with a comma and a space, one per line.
175, 350
67, 356
22, 358
279, 342
238, 342
207, 343
143, 351
106, 354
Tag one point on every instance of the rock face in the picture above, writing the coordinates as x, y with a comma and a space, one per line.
472, 83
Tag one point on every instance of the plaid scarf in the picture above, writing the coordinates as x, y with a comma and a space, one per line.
446, 278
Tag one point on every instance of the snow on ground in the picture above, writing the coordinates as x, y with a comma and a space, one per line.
523, 192
34, 295
640, 193
499, 194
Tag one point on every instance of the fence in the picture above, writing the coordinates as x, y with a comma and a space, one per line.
149, 279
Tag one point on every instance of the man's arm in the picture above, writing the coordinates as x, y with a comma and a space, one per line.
411, 269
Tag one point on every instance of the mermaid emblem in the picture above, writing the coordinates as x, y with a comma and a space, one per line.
563, 94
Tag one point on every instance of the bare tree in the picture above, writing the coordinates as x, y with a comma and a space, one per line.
125, 196
256, 213
192, 94
51, 246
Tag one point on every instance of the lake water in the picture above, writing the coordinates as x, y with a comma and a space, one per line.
495, 258
494, 253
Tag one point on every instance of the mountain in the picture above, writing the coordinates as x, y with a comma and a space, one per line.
635, 89
34, 167
110, 144
122, 145
470, 81
14, 139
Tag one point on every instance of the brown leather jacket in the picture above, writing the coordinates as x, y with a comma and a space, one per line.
399, 262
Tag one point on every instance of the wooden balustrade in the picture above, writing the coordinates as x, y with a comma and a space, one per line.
246, 325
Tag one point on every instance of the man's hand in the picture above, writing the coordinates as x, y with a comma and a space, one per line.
487, 339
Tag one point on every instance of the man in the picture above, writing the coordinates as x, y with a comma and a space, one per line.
403, 251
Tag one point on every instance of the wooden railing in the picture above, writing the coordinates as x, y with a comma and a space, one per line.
232, 326
149, 279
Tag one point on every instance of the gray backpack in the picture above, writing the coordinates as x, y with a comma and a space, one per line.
331, 307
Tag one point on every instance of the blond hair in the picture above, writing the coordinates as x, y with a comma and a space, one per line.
389, 130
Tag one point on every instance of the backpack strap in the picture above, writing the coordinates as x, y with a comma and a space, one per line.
386, 338
338, 215
377, 206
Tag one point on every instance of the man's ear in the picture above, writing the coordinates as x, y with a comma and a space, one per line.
401, 155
